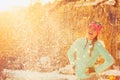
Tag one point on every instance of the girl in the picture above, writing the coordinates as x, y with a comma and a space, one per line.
87, 52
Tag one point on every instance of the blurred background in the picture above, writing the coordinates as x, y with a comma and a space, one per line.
36, 34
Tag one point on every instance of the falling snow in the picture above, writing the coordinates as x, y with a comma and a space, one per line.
34, 40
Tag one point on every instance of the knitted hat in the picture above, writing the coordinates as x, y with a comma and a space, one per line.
97, 25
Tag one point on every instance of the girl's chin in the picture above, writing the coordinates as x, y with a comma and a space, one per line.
90, 38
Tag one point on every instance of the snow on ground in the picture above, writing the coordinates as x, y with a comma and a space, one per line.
111, 72
31, 75
55, 75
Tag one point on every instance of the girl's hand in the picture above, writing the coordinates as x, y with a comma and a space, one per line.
90, 70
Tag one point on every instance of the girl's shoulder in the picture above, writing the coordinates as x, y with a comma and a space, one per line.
80, 39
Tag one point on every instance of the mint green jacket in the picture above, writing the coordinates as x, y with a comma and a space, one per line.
83, 60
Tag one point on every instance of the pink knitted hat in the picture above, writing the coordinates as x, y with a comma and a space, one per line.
97, 25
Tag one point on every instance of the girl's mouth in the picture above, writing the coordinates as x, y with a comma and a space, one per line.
90, 33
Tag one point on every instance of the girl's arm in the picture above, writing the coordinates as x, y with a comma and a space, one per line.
71, 52
107, 57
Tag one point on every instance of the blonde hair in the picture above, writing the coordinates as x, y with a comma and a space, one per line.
93, 43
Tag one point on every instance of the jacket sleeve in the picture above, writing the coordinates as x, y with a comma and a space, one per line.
107, 57
71, 52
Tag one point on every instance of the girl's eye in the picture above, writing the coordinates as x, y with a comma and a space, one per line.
94, 29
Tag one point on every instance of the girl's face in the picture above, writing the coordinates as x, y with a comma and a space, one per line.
91, 32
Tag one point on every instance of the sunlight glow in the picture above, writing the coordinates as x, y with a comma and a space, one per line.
43, 2
6, 5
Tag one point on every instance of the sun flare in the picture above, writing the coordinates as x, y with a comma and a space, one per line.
6, 5
43, 2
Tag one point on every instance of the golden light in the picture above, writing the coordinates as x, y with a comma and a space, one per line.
43, 2
6, 5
